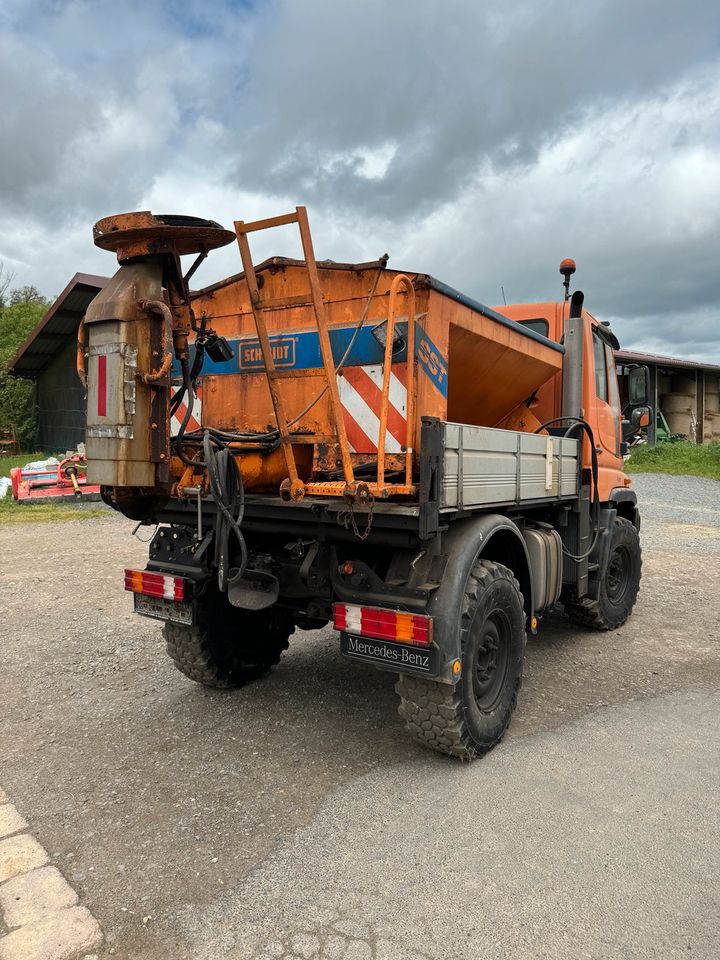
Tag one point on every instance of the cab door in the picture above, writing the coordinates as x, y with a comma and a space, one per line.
606, 400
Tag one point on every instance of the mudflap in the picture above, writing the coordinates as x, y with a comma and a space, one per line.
255, 590
395, 657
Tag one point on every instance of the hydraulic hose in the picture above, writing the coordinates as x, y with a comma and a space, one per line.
576, 422
227, 489
254, 442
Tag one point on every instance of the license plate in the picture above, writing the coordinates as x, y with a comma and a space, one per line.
175, 610
395, 655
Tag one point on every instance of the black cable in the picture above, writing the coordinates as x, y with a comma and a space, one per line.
196, 369
177, 442
346, 354
227, 489
272, 434
187, 387
574, 423
268, 442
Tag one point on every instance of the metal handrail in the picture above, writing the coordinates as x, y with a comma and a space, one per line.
398, 281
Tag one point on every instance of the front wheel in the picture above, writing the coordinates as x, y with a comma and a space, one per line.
228, 647
468, 718
619, 585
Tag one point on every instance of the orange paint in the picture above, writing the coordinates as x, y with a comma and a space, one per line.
468, 354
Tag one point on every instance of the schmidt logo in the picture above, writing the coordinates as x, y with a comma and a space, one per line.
282, 349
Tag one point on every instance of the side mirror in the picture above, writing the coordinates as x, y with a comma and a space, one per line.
639, 386
640, 417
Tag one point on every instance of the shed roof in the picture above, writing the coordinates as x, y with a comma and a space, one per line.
659, 360
58, 325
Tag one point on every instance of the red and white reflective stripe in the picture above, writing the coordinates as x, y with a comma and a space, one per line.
195, 421
381, 624
361, 398
155, 584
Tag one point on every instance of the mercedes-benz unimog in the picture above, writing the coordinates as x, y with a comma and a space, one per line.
322, 442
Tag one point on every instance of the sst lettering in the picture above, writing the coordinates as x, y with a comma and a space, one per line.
431, 359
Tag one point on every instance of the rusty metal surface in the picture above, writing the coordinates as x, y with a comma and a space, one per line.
127, 417
325, 348
281, 420
141, 234
301, 401
292, 487
401, 280
243, 401
337, 488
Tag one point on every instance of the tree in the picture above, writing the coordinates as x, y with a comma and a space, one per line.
26, 295
23, 310
6, 278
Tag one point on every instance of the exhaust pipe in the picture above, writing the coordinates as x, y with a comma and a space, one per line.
574, 340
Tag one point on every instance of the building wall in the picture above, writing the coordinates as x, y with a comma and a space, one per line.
60, 404
688, 397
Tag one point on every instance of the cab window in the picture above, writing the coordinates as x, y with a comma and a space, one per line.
538, 326
612, 381
601, 380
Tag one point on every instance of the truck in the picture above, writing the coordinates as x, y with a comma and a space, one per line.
330, 443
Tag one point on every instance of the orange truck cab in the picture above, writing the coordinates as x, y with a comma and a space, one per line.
601, 395
324, 443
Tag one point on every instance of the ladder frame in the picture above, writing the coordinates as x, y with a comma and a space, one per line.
295, 488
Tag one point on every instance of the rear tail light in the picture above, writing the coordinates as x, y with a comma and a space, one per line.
155, 584
381, 624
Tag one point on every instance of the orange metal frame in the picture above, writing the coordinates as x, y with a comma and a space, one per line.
401, 280
293, 487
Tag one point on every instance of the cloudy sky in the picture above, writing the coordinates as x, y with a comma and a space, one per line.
478, 142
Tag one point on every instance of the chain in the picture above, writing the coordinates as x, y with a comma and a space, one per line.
346, 518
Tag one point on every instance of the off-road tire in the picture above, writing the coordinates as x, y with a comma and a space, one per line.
619, 585
468, 718
229, 647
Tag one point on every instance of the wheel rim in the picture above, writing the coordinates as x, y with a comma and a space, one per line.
491, 662
618, 574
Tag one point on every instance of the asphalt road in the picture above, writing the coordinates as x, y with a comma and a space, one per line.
294, 818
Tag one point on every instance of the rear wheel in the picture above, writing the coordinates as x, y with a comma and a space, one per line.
228, 647
468, 718
619, 585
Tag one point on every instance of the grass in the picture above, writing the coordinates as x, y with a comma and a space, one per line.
680, 459
14, 512
7, 463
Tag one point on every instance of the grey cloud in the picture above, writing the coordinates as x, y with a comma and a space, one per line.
104, 97
481, 143
454, 85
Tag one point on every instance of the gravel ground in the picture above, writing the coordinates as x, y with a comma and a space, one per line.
198, 824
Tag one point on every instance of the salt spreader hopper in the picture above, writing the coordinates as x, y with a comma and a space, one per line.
314, 385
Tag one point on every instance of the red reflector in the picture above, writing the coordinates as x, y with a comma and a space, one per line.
339, 618
421, 629
155, 584
102, 385
378, 623
381, 624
